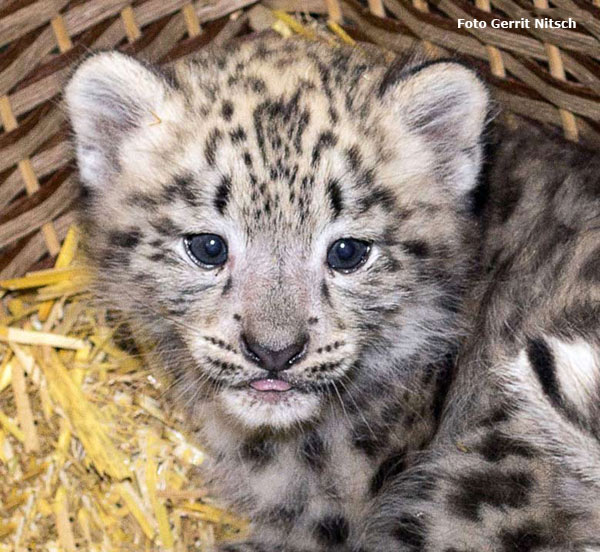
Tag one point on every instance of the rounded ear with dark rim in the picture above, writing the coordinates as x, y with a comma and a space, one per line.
109, 95
442, 100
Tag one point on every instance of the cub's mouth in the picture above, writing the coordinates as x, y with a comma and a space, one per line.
271, 384
271, 390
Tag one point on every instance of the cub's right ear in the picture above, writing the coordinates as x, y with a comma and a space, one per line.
108, 96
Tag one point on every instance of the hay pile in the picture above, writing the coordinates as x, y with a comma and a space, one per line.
89, 460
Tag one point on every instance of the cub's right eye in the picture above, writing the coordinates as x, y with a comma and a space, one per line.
206, 250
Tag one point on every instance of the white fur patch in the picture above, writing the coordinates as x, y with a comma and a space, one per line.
254, 413
577, 369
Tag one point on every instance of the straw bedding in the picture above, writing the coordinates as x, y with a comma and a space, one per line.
89, 459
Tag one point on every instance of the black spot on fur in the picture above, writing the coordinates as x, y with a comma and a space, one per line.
227, 110
313, 451
508, 197
166, 227
391, 467
444, 372
238, 135
491, 487
418, 248
354, 158
411, 531
157, 257
527, 538
495, 446
284, 515
326, 140
127, 240
222, 195
332, 530
378, 197
497, 416
258, 451
227, 286
181, 187
257, 85
590, 271
335, 197
541, 358
325, 292
369, 440
211, 145
144, 201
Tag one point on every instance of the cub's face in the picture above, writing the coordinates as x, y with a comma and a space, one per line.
287, 224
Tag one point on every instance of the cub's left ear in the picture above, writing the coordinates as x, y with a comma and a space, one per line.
443, 100
109, 95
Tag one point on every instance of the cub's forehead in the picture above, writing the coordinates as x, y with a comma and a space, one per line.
279, 87
276, 66
272, 133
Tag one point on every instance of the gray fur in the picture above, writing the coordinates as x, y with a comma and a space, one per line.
282, 147
514, 465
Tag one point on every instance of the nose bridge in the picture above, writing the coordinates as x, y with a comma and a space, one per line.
275, 306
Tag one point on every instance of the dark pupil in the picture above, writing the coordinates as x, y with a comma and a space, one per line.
347, 254
346, 250
213, 247
208, 249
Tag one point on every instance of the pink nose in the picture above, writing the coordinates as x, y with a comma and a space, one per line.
274, 361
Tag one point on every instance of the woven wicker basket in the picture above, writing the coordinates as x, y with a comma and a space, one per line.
551, 75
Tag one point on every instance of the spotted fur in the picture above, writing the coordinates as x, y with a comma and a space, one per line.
515, 465
283, 147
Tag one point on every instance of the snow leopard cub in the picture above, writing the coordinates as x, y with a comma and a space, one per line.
292, 226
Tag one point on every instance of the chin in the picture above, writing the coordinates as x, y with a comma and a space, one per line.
275, 409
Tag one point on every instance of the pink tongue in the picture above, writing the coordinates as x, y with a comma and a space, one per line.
270, 385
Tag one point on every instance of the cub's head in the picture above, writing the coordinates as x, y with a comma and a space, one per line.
289, 224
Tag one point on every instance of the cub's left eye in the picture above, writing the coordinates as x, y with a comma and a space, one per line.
207, 250
347, 254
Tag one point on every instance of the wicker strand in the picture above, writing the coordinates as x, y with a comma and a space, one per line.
421, 5
32, 185
376, 7
131, 27
60, 32
494, 54
557, 70
192, 22
334, 10
431, 49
